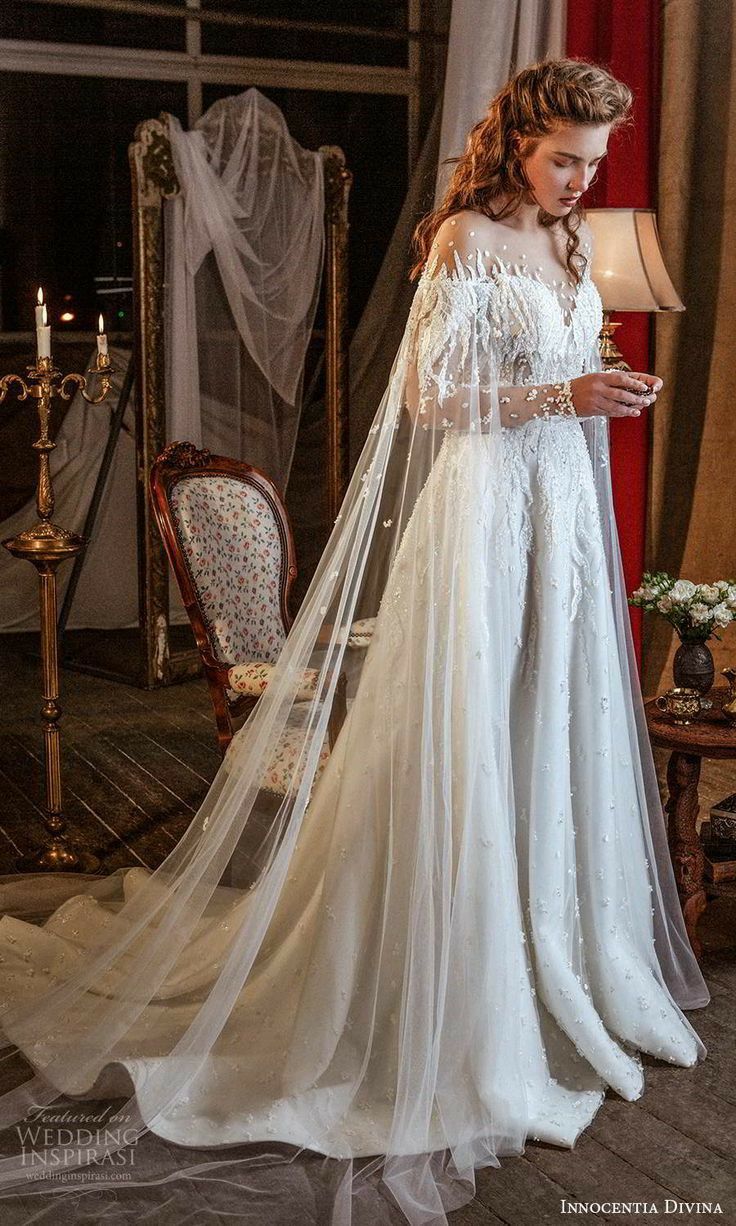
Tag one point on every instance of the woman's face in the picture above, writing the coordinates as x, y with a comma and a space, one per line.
564, 164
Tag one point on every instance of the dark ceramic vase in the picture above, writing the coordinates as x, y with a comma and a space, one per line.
693, 666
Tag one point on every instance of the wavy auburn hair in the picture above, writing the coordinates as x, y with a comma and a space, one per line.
533, 104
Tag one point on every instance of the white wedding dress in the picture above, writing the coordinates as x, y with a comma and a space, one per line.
457, 955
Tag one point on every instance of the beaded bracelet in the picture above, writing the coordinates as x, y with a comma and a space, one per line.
562, 404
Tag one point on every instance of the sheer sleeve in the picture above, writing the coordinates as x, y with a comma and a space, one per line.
455, 355
452, 377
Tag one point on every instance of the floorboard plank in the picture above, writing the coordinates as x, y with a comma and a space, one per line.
135, 780
591, 1172
693, 1108
162, 766
170, 725
522, 1192
25, 767
20, 818
661, 1153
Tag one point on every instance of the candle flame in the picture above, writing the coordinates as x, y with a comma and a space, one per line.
39, 296
100, 325
45, 315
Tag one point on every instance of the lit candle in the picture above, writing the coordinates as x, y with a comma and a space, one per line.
101, 338
39, 308
43, 333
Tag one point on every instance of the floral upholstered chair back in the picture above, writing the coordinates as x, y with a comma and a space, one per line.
234, 541
227, 536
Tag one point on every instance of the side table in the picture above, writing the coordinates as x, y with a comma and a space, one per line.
709, 736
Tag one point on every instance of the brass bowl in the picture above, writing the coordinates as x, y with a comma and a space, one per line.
681, 703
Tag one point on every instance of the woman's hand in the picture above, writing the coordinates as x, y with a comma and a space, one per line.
613, 393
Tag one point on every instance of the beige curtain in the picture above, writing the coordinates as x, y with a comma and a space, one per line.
489, 40
692, 496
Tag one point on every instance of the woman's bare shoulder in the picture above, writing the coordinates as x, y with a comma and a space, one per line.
472, 222
464, 233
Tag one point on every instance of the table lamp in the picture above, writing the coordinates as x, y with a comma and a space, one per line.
629, 271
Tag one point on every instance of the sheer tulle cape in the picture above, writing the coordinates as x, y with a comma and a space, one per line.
188, 942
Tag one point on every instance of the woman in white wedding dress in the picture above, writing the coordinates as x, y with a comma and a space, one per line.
464, 928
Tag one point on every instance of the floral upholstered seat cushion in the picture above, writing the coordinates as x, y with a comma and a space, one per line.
252, 678
361, 632
232, 546
283, 774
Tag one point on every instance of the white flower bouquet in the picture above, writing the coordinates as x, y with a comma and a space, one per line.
694, 609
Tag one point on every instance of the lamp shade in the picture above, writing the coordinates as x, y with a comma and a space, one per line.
628, 266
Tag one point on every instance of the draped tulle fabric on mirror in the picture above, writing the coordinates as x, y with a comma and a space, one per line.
464, 929
244, 245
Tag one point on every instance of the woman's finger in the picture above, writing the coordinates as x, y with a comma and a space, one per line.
653, 382
623, 379
633, 405
623, 397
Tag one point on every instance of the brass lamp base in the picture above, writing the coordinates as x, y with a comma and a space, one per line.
610, 353
45, 542
58, 858
46, 546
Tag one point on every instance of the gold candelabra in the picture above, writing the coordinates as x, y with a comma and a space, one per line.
46, 546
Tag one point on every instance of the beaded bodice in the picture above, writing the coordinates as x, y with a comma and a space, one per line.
543, 325
540, 333
541, 345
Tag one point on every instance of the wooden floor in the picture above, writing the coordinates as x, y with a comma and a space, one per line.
137, 764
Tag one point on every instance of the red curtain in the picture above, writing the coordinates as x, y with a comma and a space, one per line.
624, 36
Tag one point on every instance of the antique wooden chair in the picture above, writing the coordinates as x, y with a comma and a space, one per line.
228, 539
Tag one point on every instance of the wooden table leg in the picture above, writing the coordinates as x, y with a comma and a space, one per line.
683, 773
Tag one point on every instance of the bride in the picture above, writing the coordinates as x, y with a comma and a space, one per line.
456, 928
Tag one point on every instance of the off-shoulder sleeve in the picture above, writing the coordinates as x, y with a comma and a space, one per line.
456, 341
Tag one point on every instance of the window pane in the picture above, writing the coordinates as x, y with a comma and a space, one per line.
52, 23
329, 47
66, 212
